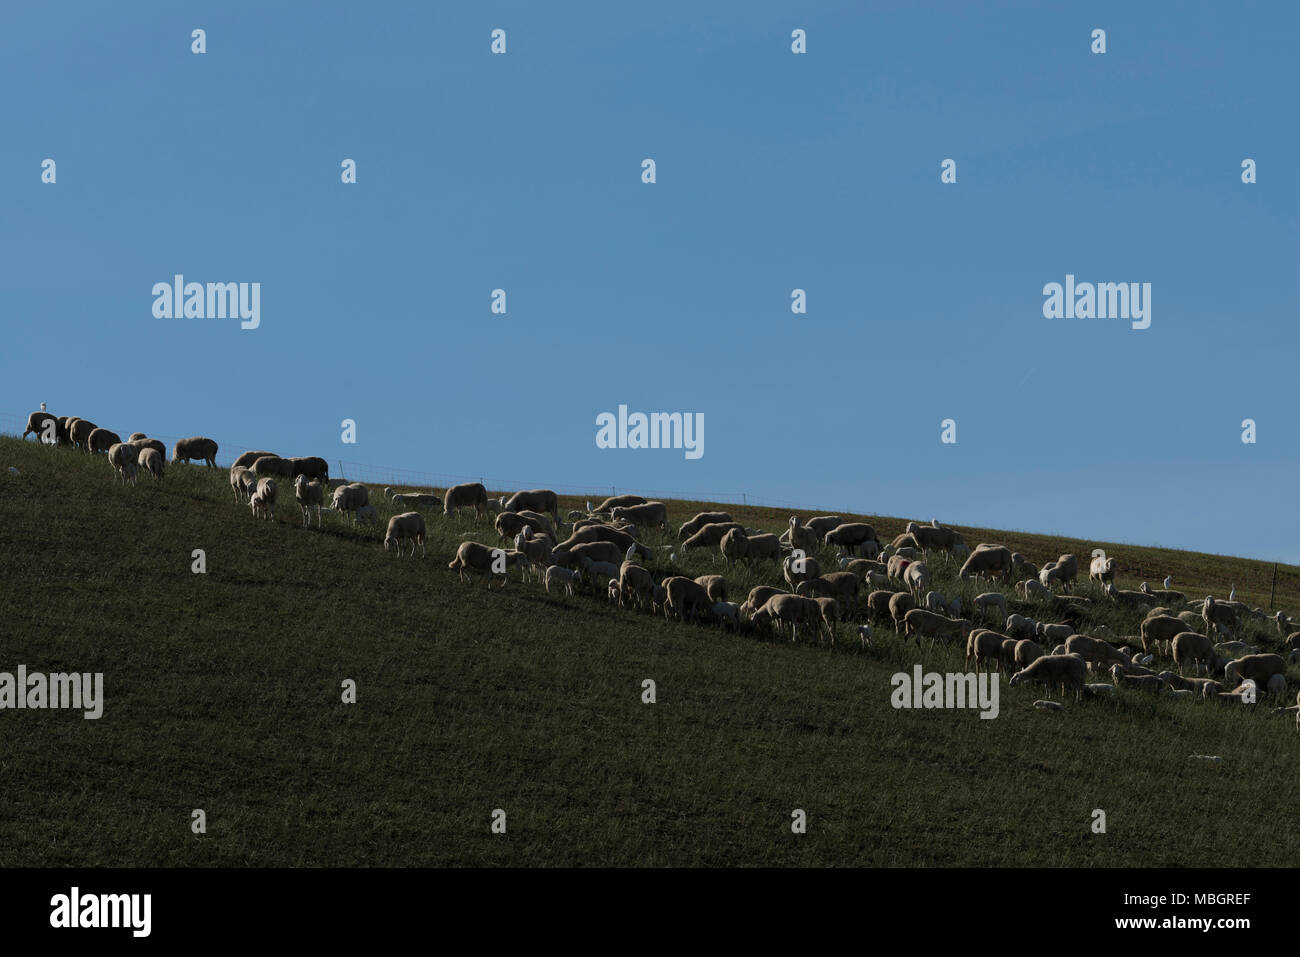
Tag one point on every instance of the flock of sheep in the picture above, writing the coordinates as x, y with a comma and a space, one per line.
872, 583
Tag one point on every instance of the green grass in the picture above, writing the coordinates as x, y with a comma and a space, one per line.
223, 693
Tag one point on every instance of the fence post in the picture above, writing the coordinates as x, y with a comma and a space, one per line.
1273, 589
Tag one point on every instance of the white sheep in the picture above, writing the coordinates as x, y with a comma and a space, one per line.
407, 526
309, 495
561, 577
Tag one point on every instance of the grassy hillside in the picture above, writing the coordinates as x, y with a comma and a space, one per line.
223, 693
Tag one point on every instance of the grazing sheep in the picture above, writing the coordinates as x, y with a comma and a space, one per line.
1277, 684
933, 537
468, 495
1188, 646
561, 576
990, 561
597, 571
1066, 670
136, 435
263, 498
1234, 648
831, 612
862, 566
800, 536
896, 566
1018, 626
648, 515
935, 602
1175, 597
685, 598
154, 444
415, 500
1032, 589
534, 500
595, 551
1219, 615
365, 515
101, 440
1157, 629
409, 526
1028, 651
152, 463
926, 624
811, 569
1102, 570
842, 586
247, 459
715, 586
710, 536
349, 498
692, 526
916, 576
536, 549
1094, 651
983, 645
992, 599
900, 603
823, 524
1054, 632
1259, 668
734, 545
123, 457
484, 560
1122, 679
618, 501
311, 466
1130, 599
726, 612
310, 494
38, 423
635, 583
792, 610
79, 432
851, 536
242, 482
878, 604
510, 524
273, 465
196, 447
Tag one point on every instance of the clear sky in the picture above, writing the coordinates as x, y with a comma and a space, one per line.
775, 171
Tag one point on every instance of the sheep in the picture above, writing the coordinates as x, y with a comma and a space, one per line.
1122, 679
349, 498
864, 632
878, 604
310, 494
1162, 595
247, 459
1052, 670
1234, 648
101, 440
154, 444
1277, 684
560, 576
79, 432
1028, 651
647, 515
734, 545
726, 612
831, 612
839, 585
123, 457
404, 527
1066, 570
991, 599
823, 524
635, 582
1259, 668
710, 536
1218, 614
1054, 632
851, 536
1156, 629
467, 495
684, 597
595, 551
1032, 589
510, 524
862, 566
416, 500
242, 482
933, 537
1007, 654
534, 500
900, 603
536, 549
1102, 569
922, 623
758, 596
935, 602
599, 532
273, 465
715, 586
197, 447
1020, 627
988, 560
596, 571
483, 559
916, 576
1283, 623
152, 463
983, 645
42, 424
1188, 646
795, 570
800, 536
263, 498
1096, 652
365, 515
692, 526
618, 501
896, 566
792, 610
1131, 599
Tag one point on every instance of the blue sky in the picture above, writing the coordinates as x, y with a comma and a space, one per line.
775, 171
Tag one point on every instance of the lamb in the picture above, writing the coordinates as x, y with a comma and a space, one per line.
916, 576
715, 586
1027, 652
310, 494
1096, 652
648, 515
793, 610
404, 527
710, 536
851, 536
876, 579
935, 602
811, 569
900, 603
1218, 614
197, 447
618, 501
596, 571
1032, 589
1277, 685
1156, 629
560, 576
1150, 683
983, 645
1259, 668
1188, 646
1056, 632
988, 560
727, 612
101, 440
483, 559
534, 500
242, 482
247, 459
692, 526
1020, 627
152, 463
273, 465
349, 498
1102, 569
467, 495
1052, 670
922, 623
79, 432
685, 597
864, 632
263, 498
635, 582
536, 550
991, 600
123, 457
